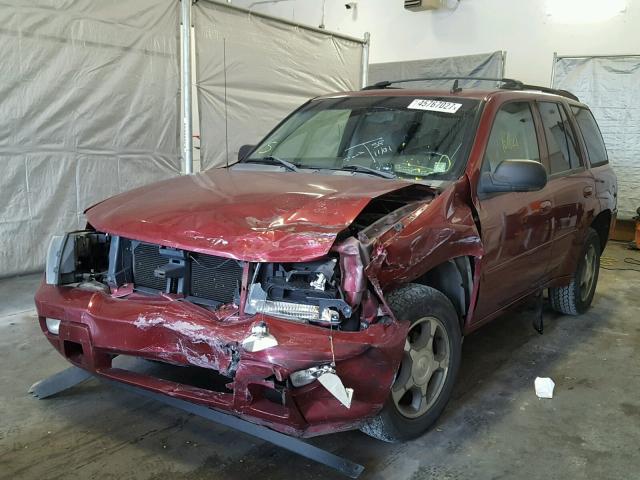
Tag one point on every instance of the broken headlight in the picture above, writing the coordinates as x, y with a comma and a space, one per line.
305, 292
77, 257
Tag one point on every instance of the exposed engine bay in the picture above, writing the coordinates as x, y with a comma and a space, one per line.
308, 292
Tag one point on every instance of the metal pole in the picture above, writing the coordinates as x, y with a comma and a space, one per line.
365, 59
185, 85
588, 57
253, 13
553, 67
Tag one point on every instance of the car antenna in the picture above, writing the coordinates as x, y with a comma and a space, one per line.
455, 88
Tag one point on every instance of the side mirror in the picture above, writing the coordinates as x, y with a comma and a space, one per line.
514, 176
244, 151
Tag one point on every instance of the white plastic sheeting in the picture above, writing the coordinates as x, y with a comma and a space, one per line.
611, 88
252, 71
89, 107
489, 65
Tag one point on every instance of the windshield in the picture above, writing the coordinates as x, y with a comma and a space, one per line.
403, 136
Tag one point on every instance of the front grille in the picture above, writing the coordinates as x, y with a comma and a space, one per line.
146, 258
215, 278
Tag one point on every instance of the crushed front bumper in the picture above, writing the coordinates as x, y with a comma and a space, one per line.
96, 327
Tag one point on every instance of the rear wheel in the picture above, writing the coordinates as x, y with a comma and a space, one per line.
575, 298
429, 365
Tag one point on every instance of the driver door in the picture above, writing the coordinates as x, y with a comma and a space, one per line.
516, 227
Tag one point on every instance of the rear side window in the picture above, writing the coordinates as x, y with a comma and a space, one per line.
592, 136
561, 141
513, 136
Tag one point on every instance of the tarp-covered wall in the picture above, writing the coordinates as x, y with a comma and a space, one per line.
489, 65
253, 71
611, 88
89, 107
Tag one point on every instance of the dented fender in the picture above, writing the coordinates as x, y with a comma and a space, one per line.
444, 230
427, 235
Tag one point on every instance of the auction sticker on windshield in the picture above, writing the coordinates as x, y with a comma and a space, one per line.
434, 105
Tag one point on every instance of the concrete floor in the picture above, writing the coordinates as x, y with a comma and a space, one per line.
494, 427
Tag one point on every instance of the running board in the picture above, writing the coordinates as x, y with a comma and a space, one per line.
73, 376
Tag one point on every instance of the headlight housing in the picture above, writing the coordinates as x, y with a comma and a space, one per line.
306, 292
77, 257
257, 302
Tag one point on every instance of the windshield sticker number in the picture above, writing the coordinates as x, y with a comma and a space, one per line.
434, 106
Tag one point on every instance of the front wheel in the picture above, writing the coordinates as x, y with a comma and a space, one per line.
429, 365
575, 298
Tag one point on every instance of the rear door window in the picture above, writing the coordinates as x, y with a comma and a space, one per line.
592, 136
513, 136
561, 141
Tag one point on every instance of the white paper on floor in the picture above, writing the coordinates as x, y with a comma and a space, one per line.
544, 387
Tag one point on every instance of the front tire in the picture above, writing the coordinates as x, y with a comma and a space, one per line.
429, 367
575, 298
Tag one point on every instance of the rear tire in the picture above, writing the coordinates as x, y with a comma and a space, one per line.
429, 368
575, 298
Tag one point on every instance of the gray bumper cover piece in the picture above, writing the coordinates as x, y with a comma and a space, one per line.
73, 376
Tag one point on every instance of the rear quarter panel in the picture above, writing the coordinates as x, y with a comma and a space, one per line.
606, 188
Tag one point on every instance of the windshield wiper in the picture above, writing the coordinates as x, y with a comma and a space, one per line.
372, 171
271, 160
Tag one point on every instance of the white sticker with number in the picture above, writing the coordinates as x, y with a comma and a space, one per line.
434, 106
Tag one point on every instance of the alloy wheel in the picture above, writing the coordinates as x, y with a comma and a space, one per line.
424, 367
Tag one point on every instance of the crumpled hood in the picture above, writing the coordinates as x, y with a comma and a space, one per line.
248, 215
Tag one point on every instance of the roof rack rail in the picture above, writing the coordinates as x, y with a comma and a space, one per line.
506, 83
387, 83
555, 91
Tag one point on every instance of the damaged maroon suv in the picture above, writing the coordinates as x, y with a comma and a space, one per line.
329, 276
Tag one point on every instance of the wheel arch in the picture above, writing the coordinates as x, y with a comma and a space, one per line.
602, 224
454, 278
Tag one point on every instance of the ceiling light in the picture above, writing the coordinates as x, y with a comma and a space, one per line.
584, 11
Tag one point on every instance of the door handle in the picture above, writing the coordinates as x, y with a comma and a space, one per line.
587, 192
